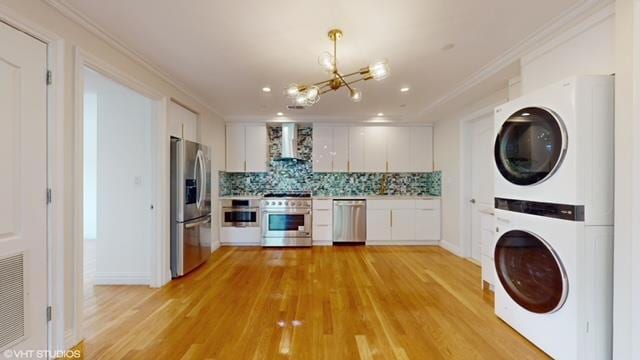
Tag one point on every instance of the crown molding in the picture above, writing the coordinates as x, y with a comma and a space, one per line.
515, 53
86, 23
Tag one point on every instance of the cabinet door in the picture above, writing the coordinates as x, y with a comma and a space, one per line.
235, 148
399, 149
403, 224
183, 123
427, 224
322, 148
190, 126
340, 149
378, 225
422, 149
256, 148
356, 148
375, 152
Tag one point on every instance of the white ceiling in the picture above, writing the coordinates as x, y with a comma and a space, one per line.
226, 51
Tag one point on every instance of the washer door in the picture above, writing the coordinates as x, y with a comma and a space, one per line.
530, 146
531, 272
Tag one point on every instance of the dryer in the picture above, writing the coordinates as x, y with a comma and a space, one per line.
555, 146
555, 279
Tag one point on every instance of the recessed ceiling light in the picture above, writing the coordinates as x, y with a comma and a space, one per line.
266, 89
448, 46
279, 114
380, 114
404, 89
525, 114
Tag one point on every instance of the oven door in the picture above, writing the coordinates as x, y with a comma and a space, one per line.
289, 223
240, 217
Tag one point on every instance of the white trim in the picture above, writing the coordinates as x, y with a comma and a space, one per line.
243, 244
160, 221
322, 243
86, 23
403, 243
588, 23
121, 279
69, 340
452, 248
573, 14
465, 180
55, 172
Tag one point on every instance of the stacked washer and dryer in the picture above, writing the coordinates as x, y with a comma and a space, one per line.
554, 217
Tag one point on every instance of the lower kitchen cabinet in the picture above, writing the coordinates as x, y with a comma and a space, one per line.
403, 221
322, 222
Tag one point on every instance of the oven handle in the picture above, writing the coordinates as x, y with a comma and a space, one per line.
288, 212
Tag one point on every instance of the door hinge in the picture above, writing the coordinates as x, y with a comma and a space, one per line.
49, 311
49, 196
49, 77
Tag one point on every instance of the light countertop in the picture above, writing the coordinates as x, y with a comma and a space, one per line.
355, 197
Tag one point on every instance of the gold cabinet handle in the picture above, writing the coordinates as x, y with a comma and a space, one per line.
387, 166
391, 219
245, 165
349, 166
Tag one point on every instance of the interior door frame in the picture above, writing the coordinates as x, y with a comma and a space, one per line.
466, 129
57, 338
159, 257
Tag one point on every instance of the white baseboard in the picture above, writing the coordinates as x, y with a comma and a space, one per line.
215, 246
241, 244
121, 279
322, 243
69, 340
403, 243
452, 248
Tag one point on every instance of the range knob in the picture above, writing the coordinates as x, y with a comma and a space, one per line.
286, 203
279, 202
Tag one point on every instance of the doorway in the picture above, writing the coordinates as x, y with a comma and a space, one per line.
478, 172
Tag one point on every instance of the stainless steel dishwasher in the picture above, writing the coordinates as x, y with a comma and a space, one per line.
349, 221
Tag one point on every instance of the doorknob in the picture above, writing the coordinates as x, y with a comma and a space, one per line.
473, 201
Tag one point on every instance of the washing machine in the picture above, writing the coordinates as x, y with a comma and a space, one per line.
555, 145
555, 277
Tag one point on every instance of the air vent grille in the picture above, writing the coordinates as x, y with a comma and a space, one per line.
296, 107
11, 299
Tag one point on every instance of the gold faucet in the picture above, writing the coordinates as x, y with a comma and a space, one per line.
383, 184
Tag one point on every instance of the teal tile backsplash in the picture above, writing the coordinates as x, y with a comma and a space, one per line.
298, 175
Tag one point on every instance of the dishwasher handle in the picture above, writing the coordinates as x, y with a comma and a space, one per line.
349, 203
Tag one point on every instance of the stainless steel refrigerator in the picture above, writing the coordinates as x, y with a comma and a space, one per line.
190, 206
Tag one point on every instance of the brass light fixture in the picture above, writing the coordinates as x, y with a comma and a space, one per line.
307, 95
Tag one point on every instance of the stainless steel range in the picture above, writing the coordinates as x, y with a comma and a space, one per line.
286, 219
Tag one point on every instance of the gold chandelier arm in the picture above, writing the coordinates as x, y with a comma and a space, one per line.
344, 82
326, 82
357, 80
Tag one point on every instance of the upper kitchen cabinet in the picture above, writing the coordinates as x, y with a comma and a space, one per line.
183, 123
246, 148
375, 149
421, 149
357, 135
330, 148
399, 149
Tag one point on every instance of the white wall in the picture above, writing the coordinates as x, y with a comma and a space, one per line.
90, 162
447, 158
626, 294
586, 48
75, 35
124, 183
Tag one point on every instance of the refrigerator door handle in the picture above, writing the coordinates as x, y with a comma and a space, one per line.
197, 223
203, 177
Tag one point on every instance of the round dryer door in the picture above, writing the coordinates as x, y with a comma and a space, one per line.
530, 146
530, 272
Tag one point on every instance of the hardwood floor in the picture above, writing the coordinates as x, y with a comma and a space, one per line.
319, 303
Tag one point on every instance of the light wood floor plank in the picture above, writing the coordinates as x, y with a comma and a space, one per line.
318, 303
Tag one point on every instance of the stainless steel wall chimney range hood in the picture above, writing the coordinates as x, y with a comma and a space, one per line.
289, 141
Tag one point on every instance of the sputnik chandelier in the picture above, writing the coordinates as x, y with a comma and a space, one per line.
308, 95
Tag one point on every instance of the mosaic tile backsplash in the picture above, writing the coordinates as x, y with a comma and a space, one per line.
298, 175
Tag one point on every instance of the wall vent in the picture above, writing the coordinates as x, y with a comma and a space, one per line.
12, 300
295, 107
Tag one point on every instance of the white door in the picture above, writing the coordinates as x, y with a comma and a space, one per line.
322, 148
235, 148
481, 179
256, 148
399, 149
340, 149
23, 208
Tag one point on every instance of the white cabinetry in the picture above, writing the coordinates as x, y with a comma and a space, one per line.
330, 148
322, 222
246, 148
487, 224
421, 158
183, 123
396, 222
390, 148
